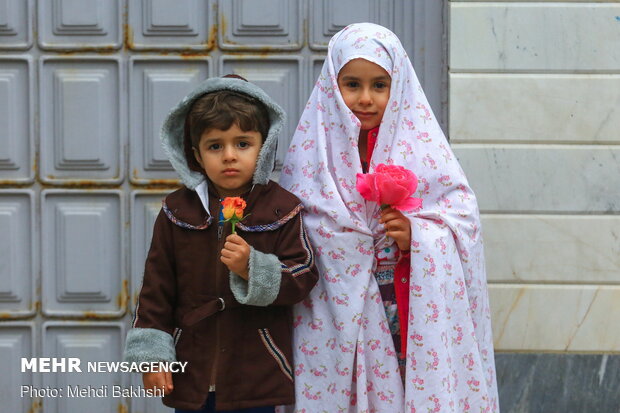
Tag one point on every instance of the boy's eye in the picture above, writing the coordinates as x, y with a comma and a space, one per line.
214, 147
243, 144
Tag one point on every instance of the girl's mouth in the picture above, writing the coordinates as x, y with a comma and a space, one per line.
364, 114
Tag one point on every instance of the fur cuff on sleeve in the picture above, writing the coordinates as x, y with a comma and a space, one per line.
149, 344
264, 284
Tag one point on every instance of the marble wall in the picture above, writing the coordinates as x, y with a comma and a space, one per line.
534, 117
558, 383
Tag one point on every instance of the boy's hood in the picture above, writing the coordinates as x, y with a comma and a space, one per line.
173, 131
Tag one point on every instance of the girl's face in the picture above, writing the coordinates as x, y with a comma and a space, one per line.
365, 87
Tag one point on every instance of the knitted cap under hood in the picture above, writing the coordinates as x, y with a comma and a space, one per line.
173, 132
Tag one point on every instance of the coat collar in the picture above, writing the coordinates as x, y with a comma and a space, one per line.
268, 208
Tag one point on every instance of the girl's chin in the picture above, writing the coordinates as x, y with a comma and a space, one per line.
366, 128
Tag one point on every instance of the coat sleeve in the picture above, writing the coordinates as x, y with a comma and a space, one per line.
283, 278
151, 335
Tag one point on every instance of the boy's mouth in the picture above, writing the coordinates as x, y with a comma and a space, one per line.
230, 171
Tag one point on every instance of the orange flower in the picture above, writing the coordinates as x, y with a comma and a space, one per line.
233, 207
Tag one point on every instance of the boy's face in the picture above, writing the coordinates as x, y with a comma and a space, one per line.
228, 157
365, 88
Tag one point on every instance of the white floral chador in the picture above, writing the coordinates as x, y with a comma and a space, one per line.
344, 353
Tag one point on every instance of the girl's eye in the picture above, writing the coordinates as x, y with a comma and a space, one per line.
352, 84
381, 85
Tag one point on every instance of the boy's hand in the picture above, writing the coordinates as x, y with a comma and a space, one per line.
236, 254
158, 380
397, 226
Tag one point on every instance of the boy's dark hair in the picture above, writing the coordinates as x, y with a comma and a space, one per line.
222, 109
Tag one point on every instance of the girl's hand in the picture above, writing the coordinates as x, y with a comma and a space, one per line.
158, 380
236, 254
397, 226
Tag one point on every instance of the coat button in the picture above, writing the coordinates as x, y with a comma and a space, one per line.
403, 280
223, 349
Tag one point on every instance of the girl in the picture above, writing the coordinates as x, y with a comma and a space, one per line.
367, 108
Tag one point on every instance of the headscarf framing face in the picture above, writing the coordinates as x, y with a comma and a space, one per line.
345, 357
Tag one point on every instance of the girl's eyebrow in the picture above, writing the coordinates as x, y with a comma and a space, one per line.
351, 77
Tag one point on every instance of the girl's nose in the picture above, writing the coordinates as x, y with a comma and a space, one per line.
365, 97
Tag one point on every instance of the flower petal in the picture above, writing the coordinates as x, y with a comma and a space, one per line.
408, 204
366, 187
233, 206
391, 191
389, 184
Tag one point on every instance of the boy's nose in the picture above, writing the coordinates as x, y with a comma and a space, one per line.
229, 153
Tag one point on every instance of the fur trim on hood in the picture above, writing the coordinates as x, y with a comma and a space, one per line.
173, 130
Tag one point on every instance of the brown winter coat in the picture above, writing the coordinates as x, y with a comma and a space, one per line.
244, 350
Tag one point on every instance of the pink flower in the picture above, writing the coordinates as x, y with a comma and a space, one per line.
390, 185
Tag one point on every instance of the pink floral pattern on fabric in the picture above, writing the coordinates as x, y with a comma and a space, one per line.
344, 353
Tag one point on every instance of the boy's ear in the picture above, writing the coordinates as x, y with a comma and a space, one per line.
197, 157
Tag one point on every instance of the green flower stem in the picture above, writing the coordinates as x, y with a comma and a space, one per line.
234, 219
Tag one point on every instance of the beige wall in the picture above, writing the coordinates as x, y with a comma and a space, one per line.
534, 117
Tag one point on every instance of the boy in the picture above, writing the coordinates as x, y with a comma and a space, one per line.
222, 302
